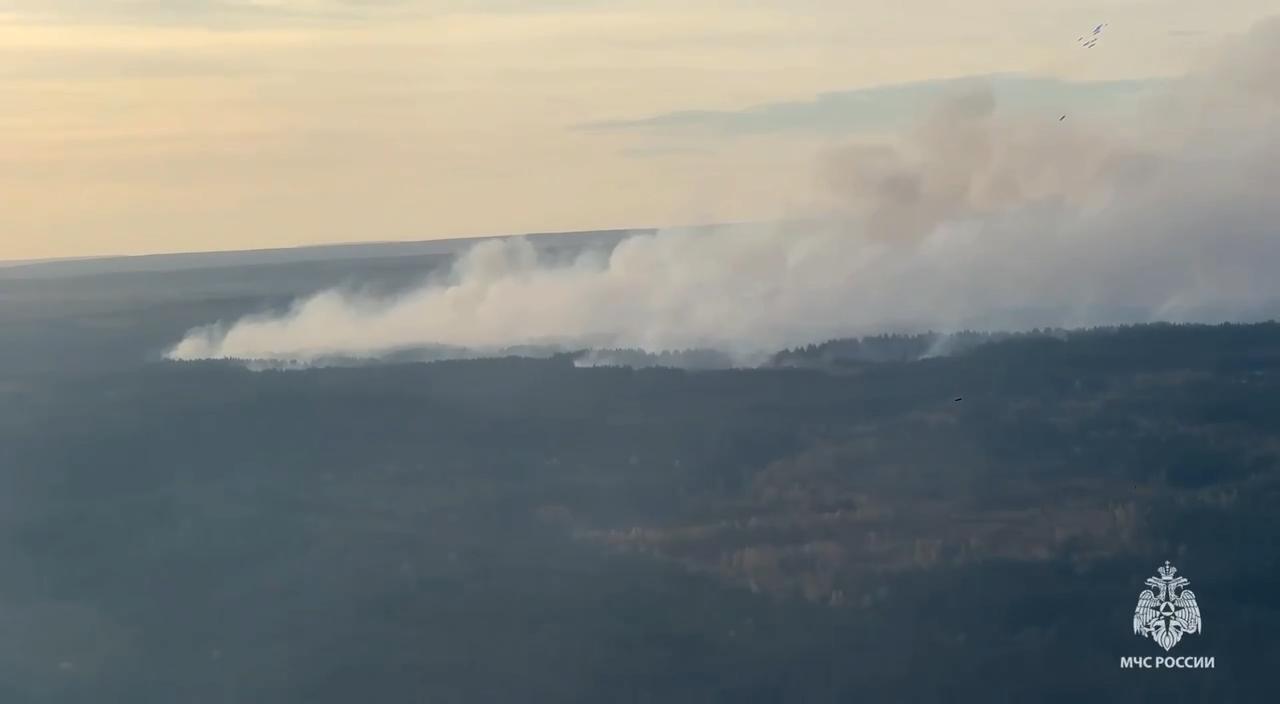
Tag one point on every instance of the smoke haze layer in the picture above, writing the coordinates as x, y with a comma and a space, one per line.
968, 220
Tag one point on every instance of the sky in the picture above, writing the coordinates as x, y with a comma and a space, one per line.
141, 126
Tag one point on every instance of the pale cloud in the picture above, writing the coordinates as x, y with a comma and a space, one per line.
883, 108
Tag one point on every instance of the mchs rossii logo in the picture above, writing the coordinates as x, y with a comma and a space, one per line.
1165, 613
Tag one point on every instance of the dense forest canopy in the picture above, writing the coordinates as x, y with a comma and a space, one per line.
898, 518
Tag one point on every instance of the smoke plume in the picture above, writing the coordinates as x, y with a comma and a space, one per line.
968, 220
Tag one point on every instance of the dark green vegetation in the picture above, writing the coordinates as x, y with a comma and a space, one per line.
520, 530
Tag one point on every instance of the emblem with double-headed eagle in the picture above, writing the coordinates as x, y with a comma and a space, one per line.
1169, 612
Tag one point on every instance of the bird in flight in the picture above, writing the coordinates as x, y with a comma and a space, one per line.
1090, 40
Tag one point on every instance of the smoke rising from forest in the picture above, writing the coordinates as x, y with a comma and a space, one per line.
968, 220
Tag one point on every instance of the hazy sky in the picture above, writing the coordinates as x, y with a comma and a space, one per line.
132, 126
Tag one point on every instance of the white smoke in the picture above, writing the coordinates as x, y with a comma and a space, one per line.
970, 221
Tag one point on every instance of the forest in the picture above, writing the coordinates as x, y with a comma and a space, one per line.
857, 521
